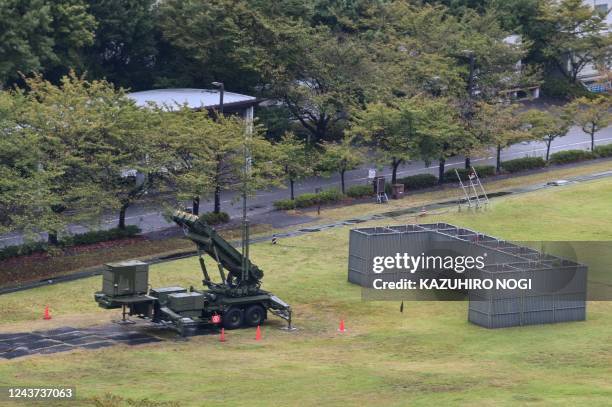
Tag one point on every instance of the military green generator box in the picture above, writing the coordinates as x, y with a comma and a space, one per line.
125, 278
186, 301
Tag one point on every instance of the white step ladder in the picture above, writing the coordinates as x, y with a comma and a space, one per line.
475, 187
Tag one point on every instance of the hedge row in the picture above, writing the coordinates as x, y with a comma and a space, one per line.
523, 164
94, 236
360, 191
603, 151
570, 156
421, 181
310, 199
418, 181
213, 218
482, 170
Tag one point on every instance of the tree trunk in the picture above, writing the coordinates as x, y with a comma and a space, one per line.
291, 183
196, 206
468, 163
217, 208
52, 239
548, 144
498, 159
395, 164
217, 199
122, 212
441, 167
592, 138
342, 179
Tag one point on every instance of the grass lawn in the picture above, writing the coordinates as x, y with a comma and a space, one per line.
428, 355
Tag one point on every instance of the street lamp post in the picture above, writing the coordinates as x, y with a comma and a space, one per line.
221, 87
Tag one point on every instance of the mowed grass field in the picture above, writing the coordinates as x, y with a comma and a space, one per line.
427, 355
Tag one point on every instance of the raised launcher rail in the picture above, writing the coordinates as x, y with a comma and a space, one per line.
236, 301
560, 285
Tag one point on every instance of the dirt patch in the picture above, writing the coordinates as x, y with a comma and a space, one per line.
41, 266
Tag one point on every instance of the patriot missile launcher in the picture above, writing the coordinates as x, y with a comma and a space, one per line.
237, 300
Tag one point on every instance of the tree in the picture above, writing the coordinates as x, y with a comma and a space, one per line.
100, 140
591, 114
389, 131
331, 76
228, 154
26, 193
124, 49
42, 36
341, 157
187, 133
296, 158
580, 36
547, 125
440, 133
499, 125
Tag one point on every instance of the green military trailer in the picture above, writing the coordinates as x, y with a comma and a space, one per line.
236, 301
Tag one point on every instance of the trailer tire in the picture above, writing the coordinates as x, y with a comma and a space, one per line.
254, 315
232, 318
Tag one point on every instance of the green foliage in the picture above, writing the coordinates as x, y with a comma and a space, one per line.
42, 35
341, 157
523, 164
418, 181
570, 156
587, 45
23, 250
482, 170
603, 151
388, 130
124, 45
310, 199
561, 88
213, 218
359, 191
591, 114
296, 159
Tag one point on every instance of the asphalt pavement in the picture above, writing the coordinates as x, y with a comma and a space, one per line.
150, 218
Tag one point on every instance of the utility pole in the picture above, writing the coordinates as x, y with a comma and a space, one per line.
221, 87
246, 174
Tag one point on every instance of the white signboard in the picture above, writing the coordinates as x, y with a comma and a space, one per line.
372, 173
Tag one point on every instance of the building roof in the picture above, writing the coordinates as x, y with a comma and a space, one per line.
193, 98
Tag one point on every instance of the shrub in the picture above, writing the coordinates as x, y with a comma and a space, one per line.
603, 151
482, 170
522, 164
309, 199
360, 191
559, 87
23, 250
418, 181
570, 156
213, 218
96, 236
284, 204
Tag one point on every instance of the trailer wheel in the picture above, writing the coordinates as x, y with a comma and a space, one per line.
254, 315
232, 318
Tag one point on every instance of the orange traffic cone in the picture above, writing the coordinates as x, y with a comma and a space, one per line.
258, 334
222, 337
341, 327
47, 313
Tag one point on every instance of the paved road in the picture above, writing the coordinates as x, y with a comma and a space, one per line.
150, 218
